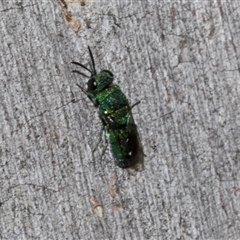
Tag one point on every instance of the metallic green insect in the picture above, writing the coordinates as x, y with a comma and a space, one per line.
115, 114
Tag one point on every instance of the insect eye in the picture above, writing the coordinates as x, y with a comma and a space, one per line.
92, 84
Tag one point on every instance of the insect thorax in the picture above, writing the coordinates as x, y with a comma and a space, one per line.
113, 106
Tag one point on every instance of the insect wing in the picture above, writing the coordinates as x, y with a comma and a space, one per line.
124, 142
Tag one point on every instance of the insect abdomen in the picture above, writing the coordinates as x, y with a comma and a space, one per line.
124, 145
116, 116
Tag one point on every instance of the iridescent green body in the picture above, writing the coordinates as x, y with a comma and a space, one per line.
115, 113
116, 116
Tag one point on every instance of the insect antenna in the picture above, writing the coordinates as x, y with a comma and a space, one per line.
92, 64
79, 64
83, 74
91, 67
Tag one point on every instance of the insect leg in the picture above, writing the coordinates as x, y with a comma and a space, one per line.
135, 104
130, 109
89, 95
82, 89
103, 128
105, 148
100, 137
